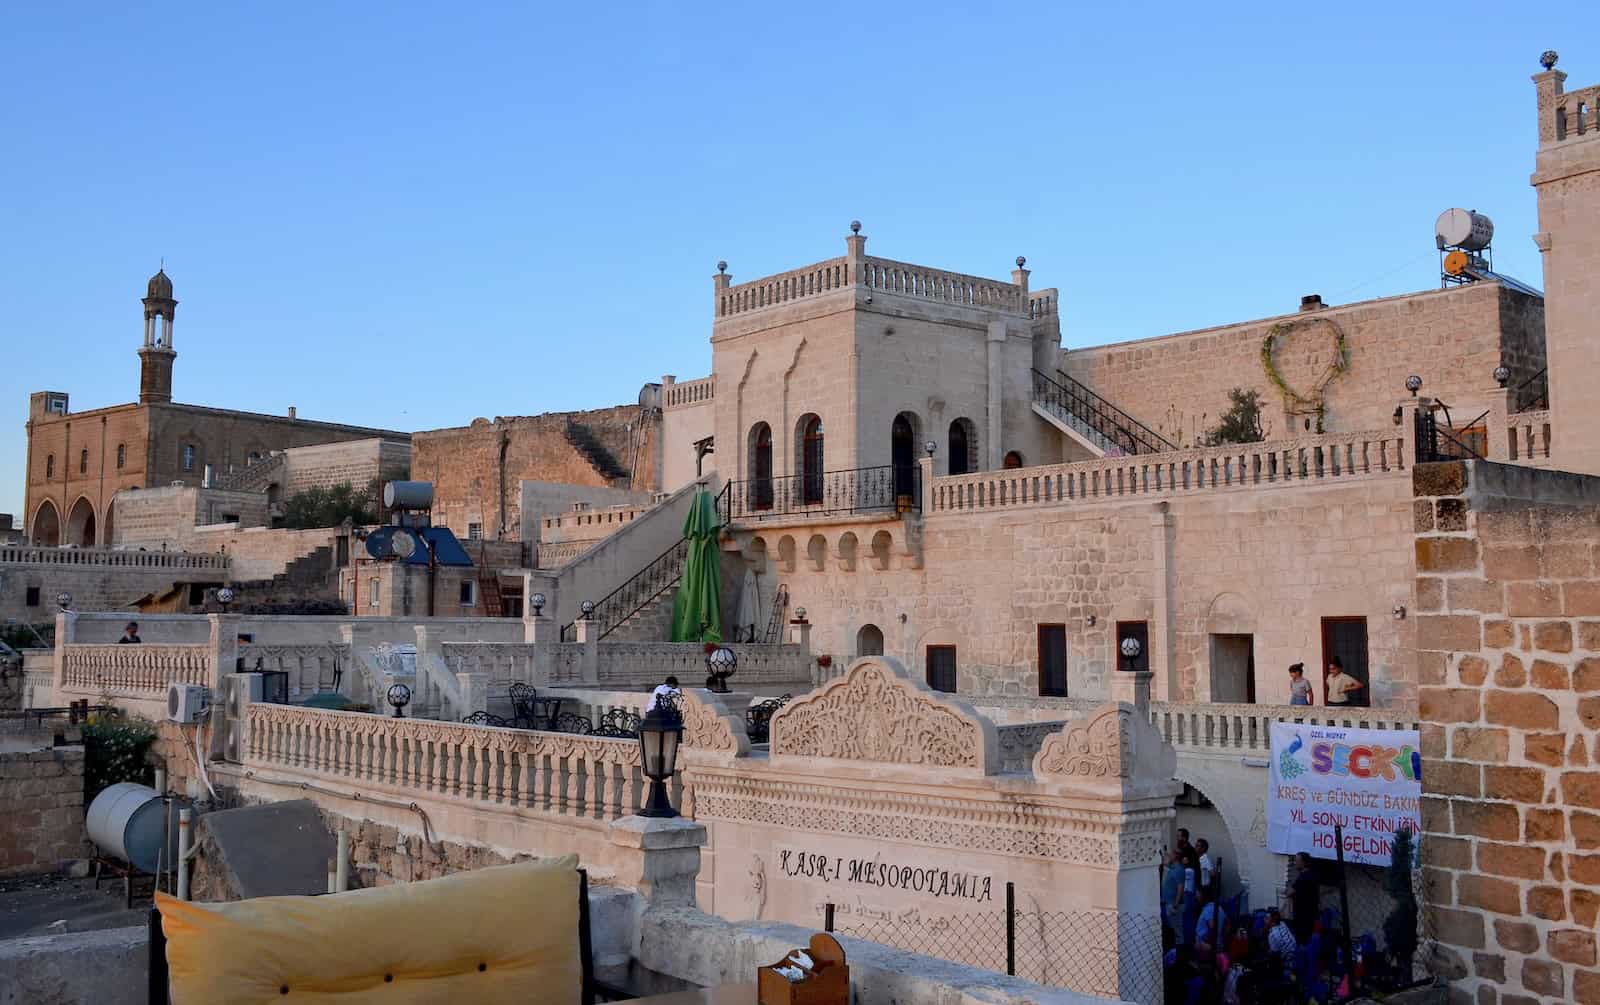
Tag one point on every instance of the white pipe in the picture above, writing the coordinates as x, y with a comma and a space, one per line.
333, 879
183, 854
166, 827
343, 876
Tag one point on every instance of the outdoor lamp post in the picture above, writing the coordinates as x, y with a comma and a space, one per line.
1413, 384
225, 597
659, 733
721, 662
930, 447
1502, 374
587, 607
64, 600
537, 602
399, 696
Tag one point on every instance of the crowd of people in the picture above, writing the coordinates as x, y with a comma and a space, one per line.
1218, 952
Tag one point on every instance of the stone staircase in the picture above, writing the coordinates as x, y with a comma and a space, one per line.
584, 441
254, 477
312, 576
650, 623
1100, 426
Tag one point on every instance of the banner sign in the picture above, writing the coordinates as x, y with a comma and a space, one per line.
1368, 781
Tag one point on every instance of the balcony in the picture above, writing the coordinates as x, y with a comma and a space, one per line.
889, 490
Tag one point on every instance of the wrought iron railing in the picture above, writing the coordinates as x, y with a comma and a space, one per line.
1119, 428
616, 607
1533, 394
888, 489
1438, 441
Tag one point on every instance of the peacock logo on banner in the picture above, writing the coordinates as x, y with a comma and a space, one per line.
1366, 781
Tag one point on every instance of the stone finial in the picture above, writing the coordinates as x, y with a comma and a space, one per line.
855, 226
1547, 59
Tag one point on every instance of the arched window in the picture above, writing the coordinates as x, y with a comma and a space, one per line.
869, 641
1013, 460
188, 457
122, 455
50, 466
760, 495
83, 461
963, 447
811, 460
903, 453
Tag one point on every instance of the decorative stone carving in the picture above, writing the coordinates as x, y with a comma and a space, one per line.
1101, 749
1258, 824
758, 887
708, 726
877, 712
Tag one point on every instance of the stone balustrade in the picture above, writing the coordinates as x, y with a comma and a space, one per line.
110, 558
311, 667
501, 663
1042, 303
1222, 728
645, 664
139, 670
1576, 113
904, 279
690, 392
1528, 435
584, 777
1206, 469
813, 280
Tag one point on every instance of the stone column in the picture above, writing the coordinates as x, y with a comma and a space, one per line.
540, 633
1163, 655
996, 343
588, 633
66, 634
659, 858
474, 692
800, 634
1496, 425
927, 480
1132, 688
223, 650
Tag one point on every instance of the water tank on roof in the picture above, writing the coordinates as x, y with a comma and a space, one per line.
1464, 228
408, 495
125, 821
650, 396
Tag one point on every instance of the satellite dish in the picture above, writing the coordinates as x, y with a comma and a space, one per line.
403, 544
1455, 263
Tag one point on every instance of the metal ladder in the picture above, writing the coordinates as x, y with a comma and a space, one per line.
780, 602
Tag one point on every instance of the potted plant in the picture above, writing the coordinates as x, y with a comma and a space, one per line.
824, 661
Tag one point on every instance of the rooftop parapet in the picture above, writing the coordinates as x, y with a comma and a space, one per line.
1564, 115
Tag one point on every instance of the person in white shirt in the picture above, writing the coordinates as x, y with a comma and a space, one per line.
668, 689
1208, 870
1340, 685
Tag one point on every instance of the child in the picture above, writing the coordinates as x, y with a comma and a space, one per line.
1299, 687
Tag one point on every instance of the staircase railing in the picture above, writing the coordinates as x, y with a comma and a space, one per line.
1443, 442
1119, 428
616, 607
1533, 394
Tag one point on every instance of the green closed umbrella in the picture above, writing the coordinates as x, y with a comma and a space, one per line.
697, 609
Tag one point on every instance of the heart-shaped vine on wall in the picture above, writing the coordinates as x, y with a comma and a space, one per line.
1309, 402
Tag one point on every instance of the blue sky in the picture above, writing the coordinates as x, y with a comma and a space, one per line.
411, 215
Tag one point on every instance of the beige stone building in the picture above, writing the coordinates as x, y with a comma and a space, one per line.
78, 461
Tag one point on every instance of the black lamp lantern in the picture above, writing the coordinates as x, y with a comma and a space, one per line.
225, 597
1413, 384
659, 733
399, 696
537, 602
930, 447
1502, 374
587, 607
64, 600
721, 664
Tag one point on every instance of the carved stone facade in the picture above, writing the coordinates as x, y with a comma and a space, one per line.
877, 712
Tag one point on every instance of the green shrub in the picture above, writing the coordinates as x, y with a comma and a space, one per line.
114, 750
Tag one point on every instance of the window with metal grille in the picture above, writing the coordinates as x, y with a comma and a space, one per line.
1053, 660
942, 668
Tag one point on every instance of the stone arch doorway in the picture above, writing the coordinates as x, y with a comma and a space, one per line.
81, 523
903, 453
1206, 819
760, 474
963, 447
46, 529
869, 641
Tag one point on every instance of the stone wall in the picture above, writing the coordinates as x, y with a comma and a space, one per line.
42, 826
475, 482
353, 462
94, 586
542, 501
166, 518
1508, 640
1453, 339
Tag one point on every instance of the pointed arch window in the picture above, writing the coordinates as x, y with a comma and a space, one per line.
83, 461
122, 455
50, 466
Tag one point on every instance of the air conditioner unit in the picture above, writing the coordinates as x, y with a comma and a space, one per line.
241, 690
186, 702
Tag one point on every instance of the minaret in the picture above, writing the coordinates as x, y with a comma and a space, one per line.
157, 354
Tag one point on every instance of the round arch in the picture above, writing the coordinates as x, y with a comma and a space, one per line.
962, 453
810, 458
81, 523
1205, 808
45, 530
1013, 459
869, 641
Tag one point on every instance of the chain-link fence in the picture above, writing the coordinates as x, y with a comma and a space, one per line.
1106, 953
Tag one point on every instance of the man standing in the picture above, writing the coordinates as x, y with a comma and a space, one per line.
1339, 685
130, 634
1172, 894
1306, 896
1208, 868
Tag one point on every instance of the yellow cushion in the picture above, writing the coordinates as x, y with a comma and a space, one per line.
507, 934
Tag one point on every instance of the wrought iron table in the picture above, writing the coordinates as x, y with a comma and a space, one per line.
545, 711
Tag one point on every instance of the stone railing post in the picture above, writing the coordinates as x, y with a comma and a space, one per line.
222, 650
474, 692
66, 634
1497, 424
659, 858
588, 633
800, 633
927, 484
1132, 687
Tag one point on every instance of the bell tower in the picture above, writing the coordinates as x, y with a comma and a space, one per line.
157, 354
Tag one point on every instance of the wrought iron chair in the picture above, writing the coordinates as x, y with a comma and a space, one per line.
572, 722
522, 699
619, 723
482, 718
758, 717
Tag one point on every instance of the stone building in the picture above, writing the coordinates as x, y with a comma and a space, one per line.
78, 461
